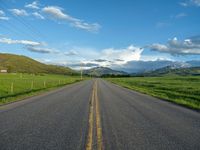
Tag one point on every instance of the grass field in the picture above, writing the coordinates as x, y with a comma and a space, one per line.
17, 86
181, 90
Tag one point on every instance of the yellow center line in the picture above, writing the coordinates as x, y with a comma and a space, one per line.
93, 109
98, 123
91, 122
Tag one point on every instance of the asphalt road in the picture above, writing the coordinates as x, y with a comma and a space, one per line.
96, 114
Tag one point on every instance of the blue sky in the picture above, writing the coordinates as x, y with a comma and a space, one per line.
102, 32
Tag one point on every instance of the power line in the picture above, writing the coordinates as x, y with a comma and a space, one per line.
35, 34
16, 30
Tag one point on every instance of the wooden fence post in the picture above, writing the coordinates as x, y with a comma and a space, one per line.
44, 84
31, 85
12, 87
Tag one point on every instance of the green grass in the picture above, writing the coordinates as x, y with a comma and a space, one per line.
22, 64
18, 86
181, 90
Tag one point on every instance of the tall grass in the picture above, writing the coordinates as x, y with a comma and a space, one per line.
14, 85
178, 89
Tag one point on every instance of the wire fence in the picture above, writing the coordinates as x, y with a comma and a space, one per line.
13, 87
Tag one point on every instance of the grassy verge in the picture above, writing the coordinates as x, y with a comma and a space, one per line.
180, 90
15, 87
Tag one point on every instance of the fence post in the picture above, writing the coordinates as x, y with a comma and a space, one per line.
44, 84
31, 85
12, 87
59, 82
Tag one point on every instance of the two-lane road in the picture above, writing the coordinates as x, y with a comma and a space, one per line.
96, 114
131, 120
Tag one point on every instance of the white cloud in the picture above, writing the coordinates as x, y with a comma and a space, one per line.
91, 57
57, 13
156, 57
190, 3
186, 47
184, 4
145, 66
19, 12
196, 2
181, 15
2, 13
86, 26
38, 15
31, 45
159, 47
23, 42
39, 47
107, 57
126, 54
3, 16
33, 5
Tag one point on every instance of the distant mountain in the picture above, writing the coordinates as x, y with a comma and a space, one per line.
194, 63
23, 64
99, 71
173, 71
146, 66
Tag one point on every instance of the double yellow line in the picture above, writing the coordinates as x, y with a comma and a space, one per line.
94, 122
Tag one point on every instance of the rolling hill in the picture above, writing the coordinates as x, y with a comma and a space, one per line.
169, 70
23, 64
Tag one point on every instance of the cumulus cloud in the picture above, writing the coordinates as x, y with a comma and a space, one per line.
105, 57
33, 5
110, 56
190, 3
19, 12
57, 13
3, 16
23, 42
176, 47
38, 15
125, 54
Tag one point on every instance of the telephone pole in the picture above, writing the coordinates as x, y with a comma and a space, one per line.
81, 71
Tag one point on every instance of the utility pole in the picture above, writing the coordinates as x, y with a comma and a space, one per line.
81, 71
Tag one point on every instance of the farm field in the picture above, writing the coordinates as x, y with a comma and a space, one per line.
17, 86
181, 90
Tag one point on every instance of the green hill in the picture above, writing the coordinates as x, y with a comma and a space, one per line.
23, 64
190, 71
